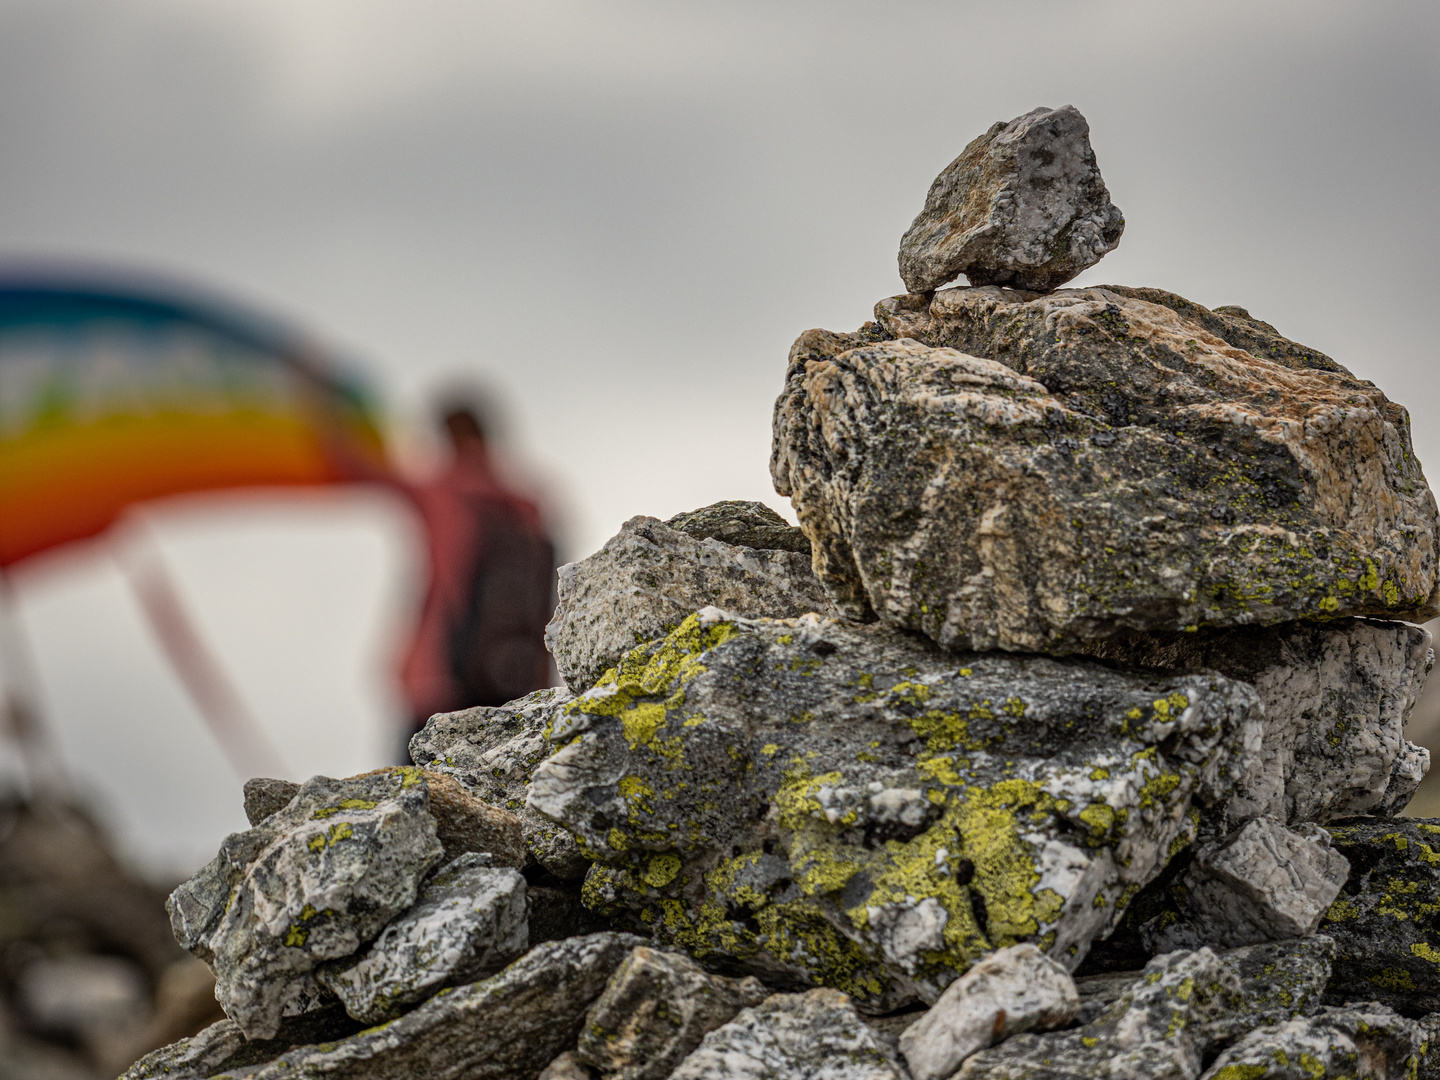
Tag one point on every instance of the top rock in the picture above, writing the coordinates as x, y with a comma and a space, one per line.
1023, 206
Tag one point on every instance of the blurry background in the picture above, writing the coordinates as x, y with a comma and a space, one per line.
617, 217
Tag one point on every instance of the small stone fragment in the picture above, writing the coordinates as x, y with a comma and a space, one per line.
1387, 944
1263, 883
1012, 990
1364, 1041
812, 1036
314, 882
510, 1025
1023, 206
742, 524
816, 802
655, 1010
468, 922
466, 823
1039, 473
1155, 1031
264, 797
492, 751
566, 1067
649, 577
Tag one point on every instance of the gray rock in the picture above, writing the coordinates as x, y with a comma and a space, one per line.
1111, 467
813, 1036
1023, 206
222, 1049
468, 922
1429, 1062
264, 797
1366, 1041
1155, 1031
742, 524
313, 883
649, 577
510, 1025
1010, 991
655, 1010
566, 1067
1263, 883
824, 803
1336, 695
1387, 944
493, 752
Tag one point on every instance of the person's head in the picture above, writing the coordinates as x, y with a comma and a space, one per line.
464, 427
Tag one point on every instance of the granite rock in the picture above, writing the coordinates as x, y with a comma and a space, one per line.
1024, 205
812, 1036
655, 1010
510, 1025
1263, 883
314, 882
1010, 991
1387, 944
221, 1049
1155, 1031
1366, 1042
1336, 696
492, 752
468, 921
817, 802
742, 524
1035, 473
264, 796
649, 577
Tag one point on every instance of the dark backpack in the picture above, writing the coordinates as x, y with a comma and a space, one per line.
497, 650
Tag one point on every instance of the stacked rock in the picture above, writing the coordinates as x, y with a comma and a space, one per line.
1064, 738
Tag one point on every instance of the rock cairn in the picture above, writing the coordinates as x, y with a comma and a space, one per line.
1064, 738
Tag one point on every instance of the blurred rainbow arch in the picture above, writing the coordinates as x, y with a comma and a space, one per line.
110, 396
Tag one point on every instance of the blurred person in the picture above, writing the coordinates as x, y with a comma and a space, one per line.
481, 633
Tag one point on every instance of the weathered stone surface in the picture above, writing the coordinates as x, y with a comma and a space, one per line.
1024, 205
1336, 695
812, 1036
466, 823
492, 752
742, 524
1387, 945
264, 796
510, 1025
649, 577
655, 1010
1263, 883
1111, 466
1155, 1031
1012, 990
314, 882
222, 1049
820, 802
565, 1067
1429, 1062
468, 921
1362, 1041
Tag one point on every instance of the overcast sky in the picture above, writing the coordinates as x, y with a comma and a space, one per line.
619, 216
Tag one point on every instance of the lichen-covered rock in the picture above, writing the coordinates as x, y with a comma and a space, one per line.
1024, 205
1357, 1042
264, 796
1155, 1031
1010, 991
819, 802
1387, 944
742, 524
1035, 473
221, 1049
1336, 694
648, 577
493, 751
655, 1010
812, 1036
314, 882
1263, 883
468, 921
510, 1025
